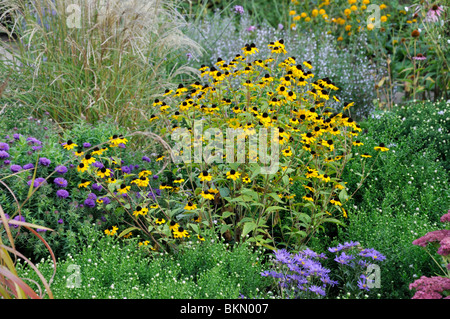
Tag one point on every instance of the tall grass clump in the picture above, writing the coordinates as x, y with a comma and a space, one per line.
85, 59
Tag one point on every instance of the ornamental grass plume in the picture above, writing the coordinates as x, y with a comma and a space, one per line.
102, 58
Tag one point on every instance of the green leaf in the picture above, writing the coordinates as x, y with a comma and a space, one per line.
126, 231
248, 227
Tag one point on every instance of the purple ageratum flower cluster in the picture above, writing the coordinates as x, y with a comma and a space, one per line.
90, 200
3, 154
28, 166
304, 272
146, 159
37, 182
62, 193
4, 147
44, 161
15, 168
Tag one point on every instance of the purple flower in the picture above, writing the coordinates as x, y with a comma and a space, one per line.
17, 136
446, 218
97, 187
444, 249
189, 56
126, 169
36, 148
37, 182
61, 182
44, 161
86, 145
60, 221
41, 230
32, 140
282, 255
4, 147
92, 196
343, 259
430, 288
98, 165
362, 283
62, 193
7, 162
3, 154
28, 166
372, 253
280, 26
317, 290
146, 159
61, 169
238, 9
89, 202
20, 219
251, 28
105, 200
16, 168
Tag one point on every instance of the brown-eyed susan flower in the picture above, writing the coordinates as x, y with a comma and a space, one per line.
160, 221
180, 232
250, 49
307, 64
207, 195
365, 155
82, 168
287, 152
111, 180
142, 181
190, 206
84, 183
309, 187
104, 172
167, 92
123, 189
357, 143
87, 160
69, 145
165, 186
79, 153
308, 197
312, 173
205, 176
381, 147
153, 117
140, 211
329, 144
173, 225
246, 180
160, 158
200, 237
232, 174
324, 177
154, 206
275, 102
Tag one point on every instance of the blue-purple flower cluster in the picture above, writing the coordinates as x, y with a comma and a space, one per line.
303, 273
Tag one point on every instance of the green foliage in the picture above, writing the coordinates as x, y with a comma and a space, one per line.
113, 268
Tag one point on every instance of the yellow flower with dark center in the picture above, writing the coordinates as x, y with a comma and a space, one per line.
308, 197
312, 173
309, 187
236, 109
160, 221
232, 174
357, 143
250, 49
154, 206
173, 225
180, 90
79, 153
381, 148
287, 152
246, 180
324, 177
104, 172
165, 186
123, 189
82, 168
207, 195
180, 232
274, 102
200, 237
308, 138
111, 180
205, 176
84, 183
153, 117
157, 102
329, 144
142, 181
98, 151
167, 92
307, 64
190, 206
69, 145
160, 158
291, 96
87, 160
365, 155
140, 211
